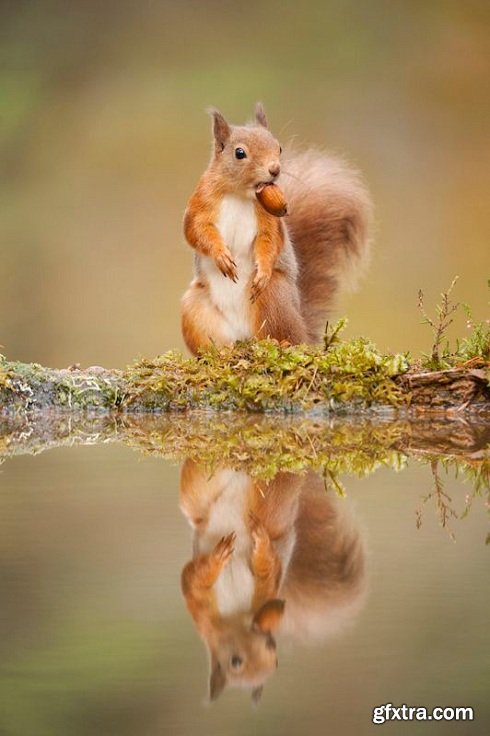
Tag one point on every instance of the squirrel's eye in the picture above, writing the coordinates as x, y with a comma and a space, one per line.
240, 153
236, 661
280, 149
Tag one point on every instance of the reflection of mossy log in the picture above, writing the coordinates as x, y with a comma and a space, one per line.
256, 376
261, 445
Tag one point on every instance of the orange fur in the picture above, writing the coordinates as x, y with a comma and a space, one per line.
277, 311
198, 578
200, 229
305, 556
201, 320
299, 268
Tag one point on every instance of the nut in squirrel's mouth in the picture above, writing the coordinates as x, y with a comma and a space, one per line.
262, 185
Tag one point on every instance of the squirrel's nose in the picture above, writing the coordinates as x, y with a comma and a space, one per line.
274, 168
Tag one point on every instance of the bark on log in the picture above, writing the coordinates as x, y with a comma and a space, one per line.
456, 388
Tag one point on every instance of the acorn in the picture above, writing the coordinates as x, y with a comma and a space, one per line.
272, 199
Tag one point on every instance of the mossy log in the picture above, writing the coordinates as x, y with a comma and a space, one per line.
259, 376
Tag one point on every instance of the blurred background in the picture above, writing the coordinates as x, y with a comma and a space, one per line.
104, 135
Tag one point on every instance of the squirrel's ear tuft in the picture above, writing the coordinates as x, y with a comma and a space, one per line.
269, 616
217, 680
260, 115
221, 129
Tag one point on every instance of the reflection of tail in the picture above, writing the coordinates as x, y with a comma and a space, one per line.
325, 583
279, 556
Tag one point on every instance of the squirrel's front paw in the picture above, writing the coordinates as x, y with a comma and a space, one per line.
227, 265
259, 283
225, 548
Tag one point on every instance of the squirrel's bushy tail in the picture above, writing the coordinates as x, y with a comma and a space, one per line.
330, 212
325, 583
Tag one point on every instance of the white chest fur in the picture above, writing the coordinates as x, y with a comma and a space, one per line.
237, 225
235, 585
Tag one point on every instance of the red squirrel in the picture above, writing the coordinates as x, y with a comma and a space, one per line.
255, 275
281, 557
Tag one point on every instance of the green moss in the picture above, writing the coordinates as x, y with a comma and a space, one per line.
267, 376
475, 347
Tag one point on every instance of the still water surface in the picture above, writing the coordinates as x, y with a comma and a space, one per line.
382, 603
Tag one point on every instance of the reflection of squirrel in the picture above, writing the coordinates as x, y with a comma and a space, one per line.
253, 275
280, 557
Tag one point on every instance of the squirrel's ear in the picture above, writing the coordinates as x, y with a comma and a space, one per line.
257, 694
217, 680
221, 129
269, 616
260, 115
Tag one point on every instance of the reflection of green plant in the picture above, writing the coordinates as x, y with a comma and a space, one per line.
476, 473
443, 501
330, 478
478, 476
263, 447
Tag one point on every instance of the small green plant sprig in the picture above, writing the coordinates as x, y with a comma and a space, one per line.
477, 343
439, 325
475, 347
